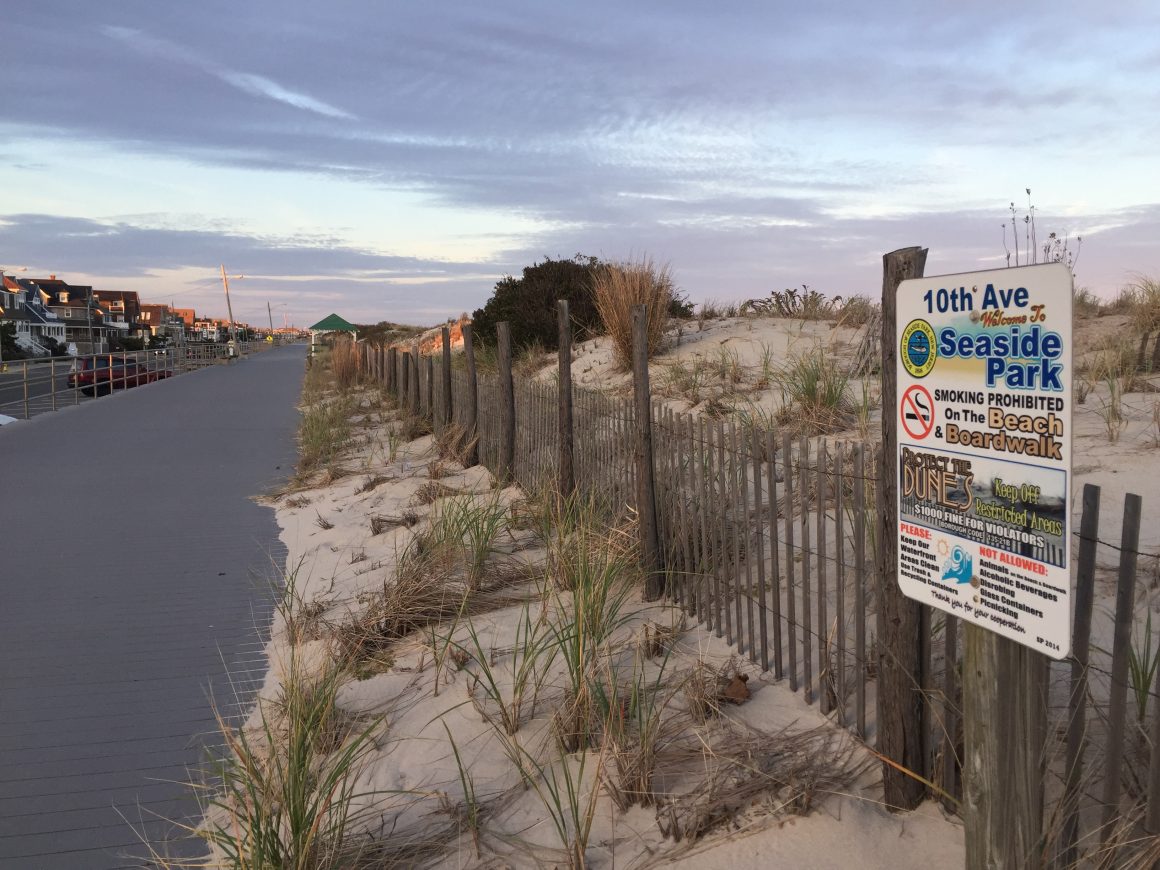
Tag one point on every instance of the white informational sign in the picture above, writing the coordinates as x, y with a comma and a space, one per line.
984, 449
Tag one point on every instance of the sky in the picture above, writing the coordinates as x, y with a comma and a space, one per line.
393, 160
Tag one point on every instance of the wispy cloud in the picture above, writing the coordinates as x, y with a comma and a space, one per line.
249, 83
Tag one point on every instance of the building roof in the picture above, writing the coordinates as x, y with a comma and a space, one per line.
333, 323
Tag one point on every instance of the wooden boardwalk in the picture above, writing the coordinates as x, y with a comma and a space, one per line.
134, 585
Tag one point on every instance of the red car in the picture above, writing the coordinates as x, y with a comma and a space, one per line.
96, 376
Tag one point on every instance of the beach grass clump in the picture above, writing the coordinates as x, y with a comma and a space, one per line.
635, 729
1085, 302
455, 443
1145, 314
286, 791
814, 390
506, 687
323, 434
619, 288
599, 573
856, 311
471, 528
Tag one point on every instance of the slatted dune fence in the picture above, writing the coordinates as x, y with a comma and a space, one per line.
769, 541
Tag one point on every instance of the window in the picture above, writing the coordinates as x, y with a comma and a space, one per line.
64, 296
68, 312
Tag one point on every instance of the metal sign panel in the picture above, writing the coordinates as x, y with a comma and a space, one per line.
984, 449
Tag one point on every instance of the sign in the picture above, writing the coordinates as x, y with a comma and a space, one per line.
984, 449
917, 412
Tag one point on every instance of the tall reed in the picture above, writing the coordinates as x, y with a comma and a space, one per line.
618, 288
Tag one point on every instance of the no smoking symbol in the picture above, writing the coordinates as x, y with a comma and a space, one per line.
917, 412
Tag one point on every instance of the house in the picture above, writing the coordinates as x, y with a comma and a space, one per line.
206, 330
161, 321
39, 331
76, 306
122, 310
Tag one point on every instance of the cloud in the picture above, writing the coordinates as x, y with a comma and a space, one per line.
165, 50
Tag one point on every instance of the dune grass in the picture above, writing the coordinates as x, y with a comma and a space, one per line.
619, 288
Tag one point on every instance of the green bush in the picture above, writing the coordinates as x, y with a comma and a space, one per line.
528, 303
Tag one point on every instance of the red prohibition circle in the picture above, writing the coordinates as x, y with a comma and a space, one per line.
916, 411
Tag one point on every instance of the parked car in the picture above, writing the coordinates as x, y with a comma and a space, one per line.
96, 376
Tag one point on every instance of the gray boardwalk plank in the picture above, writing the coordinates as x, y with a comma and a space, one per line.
135, 578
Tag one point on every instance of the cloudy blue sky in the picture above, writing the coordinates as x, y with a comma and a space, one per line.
392, 160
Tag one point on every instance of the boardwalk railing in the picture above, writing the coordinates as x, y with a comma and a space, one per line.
35, 386
768, 540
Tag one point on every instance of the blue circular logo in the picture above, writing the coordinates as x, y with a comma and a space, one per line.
918, 350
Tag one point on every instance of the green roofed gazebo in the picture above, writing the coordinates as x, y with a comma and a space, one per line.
334, 323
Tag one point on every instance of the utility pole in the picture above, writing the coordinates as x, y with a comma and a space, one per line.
270, 315
89, 313
229, 307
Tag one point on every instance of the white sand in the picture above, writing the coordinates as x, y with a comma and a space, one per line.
413, 754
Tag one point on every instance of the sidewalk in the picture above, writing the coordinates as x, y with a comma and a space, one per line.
134, 571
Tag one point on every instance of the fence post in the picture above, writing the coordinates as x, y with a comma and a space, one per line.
645, 484
446, 376
472, 438
1089, 527
415, 378
431, 389
567, 467
405, 380
507, 427
1121, 646
1005, 726
391, 362
900, 734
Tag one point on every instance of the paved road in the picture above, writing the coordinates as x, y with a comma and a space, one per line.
134, 571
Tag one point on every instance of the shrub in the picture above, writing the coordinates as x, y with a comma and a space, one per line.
528, 303
619, 288
806, 305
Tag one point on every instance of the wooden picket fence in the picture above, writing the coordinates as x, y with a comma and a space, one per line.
770, 542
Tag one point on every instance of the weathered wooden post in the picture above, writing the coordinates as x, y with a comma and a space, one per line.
567, 467
900, 662
431, 388
1081, 649
1121, 646
446, 376
1004, 725
507, 411
472, 454
415, 384
391, 363
405, 380
645, 483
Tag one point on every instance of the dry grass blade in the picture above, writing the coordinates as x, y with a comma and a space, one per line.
344, 361
791, 772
